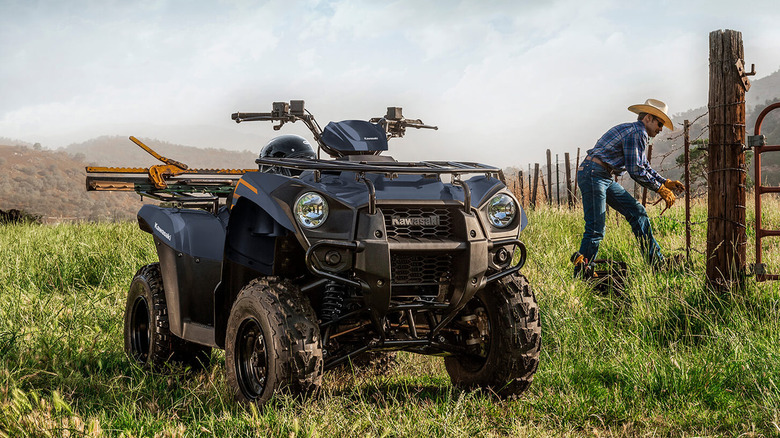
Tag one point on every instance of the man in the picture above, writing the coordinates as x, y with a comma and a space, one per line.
621, 149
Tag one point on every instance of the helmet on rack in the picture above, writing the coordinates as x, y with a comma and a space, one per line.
286, 146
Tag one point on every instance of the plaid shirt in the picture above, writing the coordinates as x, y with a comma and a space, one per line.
623, 148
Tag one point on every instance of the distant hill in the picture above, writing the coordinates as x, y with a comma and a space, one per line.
121, 152
52, 183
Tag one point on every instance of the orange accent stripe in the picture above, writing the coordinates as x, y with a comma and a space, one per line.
233, 202
241, 181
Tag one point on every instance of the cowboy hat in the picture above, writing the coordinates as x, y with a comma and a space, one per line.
656, 108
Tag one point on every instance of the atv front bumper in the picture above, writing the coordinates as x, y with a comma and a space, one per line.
389, 266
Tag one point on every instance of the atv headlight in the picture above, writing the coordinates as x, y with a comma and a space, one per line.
501, 210
311, 210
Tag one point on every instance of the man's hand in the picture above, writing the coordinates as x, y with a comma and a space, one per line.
675, 186
667, 195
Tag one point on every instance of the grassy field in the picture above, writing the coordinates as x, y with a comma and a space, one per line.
668, 358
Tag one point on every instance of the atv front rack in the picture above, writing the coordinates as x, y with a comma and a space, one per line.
390, 169
382, 166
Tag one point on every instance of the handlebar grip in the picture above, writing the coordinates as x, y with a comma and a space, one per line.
422, 126
235, 116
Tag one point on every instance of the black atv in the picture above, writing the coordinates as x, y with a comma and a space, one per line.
308, 264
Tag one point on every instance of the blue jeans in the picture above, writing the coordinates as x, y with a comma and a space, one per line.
599, 190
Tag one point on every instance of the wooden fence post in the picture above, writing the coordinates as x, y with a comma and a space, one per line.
536, 184
687, 143
522, 189
726, 232
637, 189
644, 189
549, 177
569, 195
557, 182
575, 174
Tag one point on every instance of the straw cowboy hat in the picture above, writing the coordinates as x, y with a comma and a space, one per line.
656, 108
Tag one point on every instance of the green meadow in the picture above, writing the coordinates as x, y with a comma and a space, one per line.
668, 357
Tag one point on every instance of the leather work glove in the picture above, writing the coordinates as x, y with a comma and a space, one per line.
675, 186
667, 195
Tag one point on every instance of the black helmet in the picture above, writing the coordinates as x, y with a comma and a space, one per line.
288, 146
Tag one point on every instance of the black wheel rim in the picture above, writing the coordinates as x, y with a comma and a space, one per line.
251, 359
140, 333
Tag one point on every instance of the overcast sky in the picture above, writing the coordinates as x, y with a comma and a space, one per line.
503, 80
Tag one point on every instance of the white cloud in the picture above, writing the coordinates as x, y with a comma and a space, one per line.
504, 80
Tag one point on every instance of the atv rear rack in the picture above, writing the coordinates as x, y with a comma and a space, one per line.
172, 182
199, 188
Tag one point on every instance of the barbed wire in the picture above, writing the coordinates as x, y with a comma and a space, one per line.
665, 162
676, 148
556, 192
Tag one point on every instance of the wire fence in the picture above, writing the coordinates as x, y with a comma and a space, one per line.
555, 183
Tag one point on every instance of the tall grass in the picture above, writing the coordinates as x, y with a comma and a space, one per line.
668, 357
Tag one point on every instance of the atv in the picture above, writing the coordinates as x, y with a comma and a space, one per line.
306, 264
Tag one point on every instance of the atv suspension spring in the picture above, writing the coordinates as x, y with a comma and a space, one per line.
333, 301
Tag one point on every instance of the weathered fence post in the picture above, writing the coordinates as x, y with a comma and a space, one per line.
576, 164
687, 142
549, 177
569, 195
557, 182
644, 189
522, 189
536, 185
726, 233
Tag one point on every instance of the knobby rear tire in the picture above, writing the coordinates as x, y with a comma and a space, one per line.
148, 339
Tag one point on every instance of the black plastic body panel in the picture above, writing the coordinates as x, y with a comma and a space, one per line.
355, 136
190, 231
189, 244
251, 237
189, 291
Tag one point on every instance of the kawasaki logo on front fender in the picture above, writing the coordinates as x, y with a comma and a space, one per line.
426, 221
166, 235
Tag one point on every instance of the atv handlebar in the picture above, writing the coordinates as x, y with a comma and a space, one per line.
393, 122
281, 111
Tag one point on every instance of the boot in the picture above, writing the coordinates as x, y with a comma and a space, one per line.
580, 265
